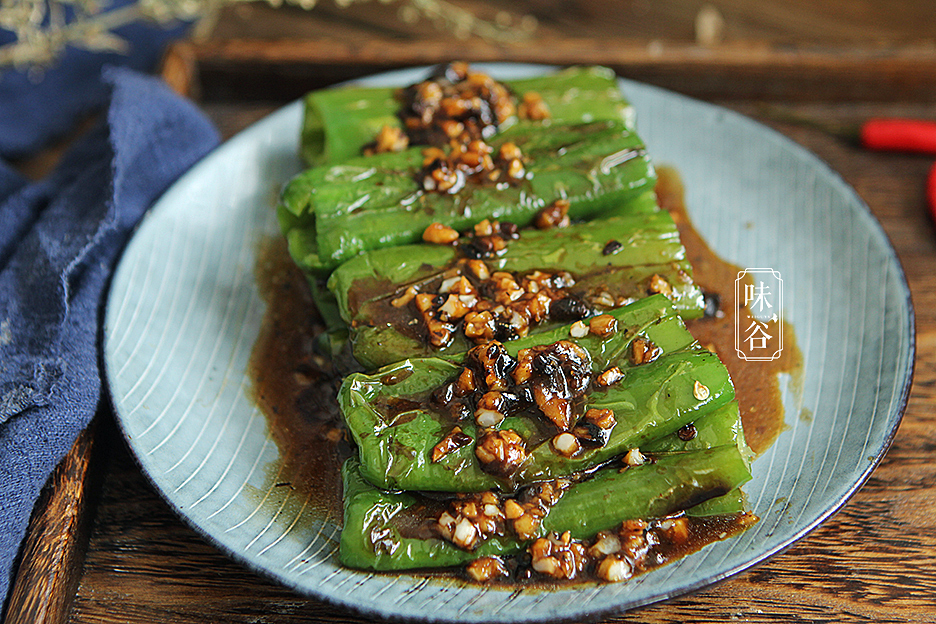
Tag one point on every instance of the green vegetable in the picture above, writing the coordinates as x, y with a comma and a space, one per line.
388, 415
331, 213
371, 539
734, 502
365, 286
653, 400
338, 123
720, 427
372, 536
672, 483
653, 317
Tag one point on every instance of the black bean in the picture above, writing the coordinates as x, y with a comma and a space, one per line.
687, 433
524, 393
437, 163
545, 363
712, 302
504, 331
443, 395
510, 402
477, 248
471, 252
569, 309
613, 246
591, 434
521, 567
509, 230
461, 438
460, 410
490, 360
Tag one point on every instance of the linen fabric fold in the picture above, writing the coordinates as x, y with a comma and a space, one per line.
60, 238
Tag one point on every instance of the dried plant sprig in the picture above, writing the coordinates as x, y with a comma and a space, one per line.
463, 24
42, 31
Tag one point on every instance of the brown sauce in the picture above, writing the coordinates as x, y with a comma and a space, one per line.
756, 383
297, 389
293, 385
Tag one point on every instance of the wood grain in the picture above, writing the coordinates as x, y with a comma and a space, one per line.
284, 69
857, 24
859, 50
874, 561
53, 553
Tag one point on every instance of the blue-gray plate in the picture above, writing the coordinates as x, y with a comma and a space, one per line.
184, 311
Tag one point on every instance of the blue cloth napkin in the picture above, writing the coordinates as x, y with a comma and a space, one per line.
40, 104
60, 238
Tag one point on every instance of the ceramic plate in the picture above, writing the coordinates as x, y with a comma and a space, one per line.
184, 312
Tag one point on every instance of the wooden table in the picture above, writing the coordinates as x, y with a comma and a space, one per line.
104, 547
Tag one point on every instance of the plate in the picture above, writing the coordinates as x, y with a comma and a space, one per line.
184, 310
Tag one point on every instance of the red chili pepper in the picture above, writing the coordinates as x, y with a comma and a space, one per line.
899, 135
904, 135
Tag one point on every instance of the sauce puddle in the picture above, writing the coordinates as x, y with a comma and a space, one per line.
757, 384
294, 386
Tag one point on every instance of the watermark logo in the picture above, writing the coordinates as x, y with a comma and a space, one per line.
758, 331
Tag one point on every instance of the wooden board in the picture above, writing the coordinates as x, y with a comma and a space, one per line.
856, 50
57, 536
